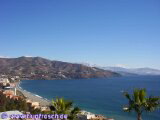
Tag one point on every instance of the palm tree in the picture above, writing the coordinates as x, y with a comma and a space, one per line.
139, 103
73, 113
62, 106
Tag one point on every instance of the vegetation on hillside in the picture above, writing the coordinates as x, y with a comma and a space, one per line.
40, 68
8, 104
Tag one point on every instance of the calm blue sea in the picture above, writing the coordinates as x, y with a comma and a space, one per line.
100, 96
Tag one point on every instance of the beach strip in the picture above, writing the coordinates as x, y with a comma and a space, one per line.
33, 97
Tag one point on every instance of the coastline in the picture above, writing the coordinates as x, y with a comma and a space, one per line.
33, 97
45, 102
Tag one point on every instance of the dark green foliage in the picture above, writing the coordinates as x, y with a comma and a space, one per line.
62, 106
3, 100
21, 104
139, 102
73, 113
7, 104
10, 104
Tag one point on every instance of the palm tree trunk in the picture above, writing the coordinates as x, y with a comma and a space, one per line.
139, 117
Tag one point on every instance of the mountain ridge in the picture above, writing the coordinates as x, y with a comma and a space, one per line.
134, 71
42, 68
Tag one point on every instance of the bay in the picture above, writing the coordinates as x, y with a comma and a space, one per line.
101, 95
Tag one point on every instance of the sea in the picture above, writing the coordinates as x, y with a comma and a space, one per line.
102, 96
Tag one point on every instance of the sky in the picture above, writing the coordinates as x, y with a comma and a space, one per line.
103, 32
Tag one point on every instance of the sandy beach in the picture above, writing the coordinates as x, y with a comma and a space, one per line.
33, 97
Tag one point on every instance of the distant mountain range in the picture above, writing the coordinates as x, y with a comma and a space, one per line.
41, 68
135, 71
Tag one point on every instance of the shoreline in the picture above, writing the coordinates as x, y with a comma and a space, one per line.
45, 102
33, 97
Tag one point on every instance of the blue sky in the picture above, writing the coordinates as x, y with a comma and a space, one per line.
103, 32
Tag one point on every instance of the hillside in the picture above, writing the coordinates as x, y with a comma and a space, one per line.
40, 68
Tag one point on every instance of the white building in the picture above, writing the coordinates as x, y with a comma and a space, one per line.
86, 115
4, 80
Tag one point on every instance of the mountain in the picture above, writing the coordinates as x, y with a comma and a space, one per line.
135, 71
41, 68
